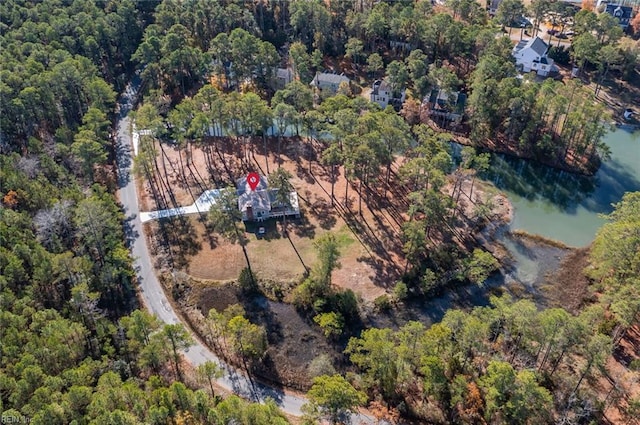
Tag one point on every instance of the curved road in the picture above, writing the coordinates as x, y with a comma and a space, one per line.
152, 293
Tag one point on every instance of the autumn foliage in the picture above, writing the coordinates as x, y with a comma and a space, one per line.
10, 200
635, 23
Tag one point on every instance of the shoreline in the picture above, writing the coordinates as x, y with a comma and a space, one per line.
493, 148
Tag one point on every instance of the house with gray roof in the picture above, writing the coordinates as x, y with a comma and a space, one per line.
260, 204
623, 13
328, 82
445, 106
283, 77
531, 55
383, 95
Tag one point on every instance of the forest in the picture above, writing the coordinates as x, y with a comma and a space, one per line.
78, 347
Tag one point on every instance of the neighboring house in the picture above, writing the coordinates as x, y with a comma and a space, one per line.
328, 82
260, 204
443, 105
382, 94
283, 77
401, 45
531, 55
493, 7
621, 13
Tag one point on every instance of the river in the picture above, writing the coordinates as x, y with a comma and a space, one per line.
563, 206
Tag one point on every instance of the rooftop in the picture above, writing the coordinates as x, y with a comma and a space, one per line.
284, 73
380, 85
538, 46
329, 78
243, 186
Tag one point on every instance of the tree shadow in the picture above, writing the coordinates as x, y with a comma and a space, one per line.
123, 159
270, 229
130, 231
386, 273
432, 310
297, 253
629, 347
302, 227
302, 172
322, 210
182, 238
564, 190
210, 236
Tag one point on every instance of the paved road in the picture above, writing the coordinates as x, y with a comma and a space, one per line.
152, 293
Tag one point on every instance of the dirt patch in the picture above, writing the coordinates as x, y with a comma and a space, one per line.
215, 296
370, 239
366, 220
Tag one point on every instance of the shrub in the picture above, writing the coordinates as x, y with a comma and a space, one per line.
321, 365
400, 291
247, 284
332, 324
347, 304
382, 303
429, 282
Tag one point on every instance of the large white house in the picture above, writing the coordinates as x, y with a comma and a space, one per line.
382, 94
623, 13
531, 55
328, 82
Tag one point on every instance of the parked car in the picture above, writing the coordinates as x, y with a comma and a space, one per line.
552, 31
521, 22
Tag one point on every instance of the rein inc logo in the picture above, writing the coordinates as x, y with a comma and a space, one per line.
13, 417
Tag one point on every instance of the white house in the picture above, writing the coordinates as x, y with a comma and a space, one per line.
328, 82
382, 94
531, 55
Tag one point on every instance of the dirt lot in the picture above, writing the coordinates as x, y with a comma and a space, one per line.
293, 342
371, 251
371, 258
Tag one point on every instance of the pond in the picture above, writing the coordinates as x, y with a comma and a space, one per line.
563, 206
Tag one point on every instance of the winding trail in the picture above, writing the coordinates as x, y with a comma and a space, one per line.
152, 292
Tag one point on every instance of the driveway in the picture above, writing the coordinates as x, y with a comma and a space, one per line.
150, 289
